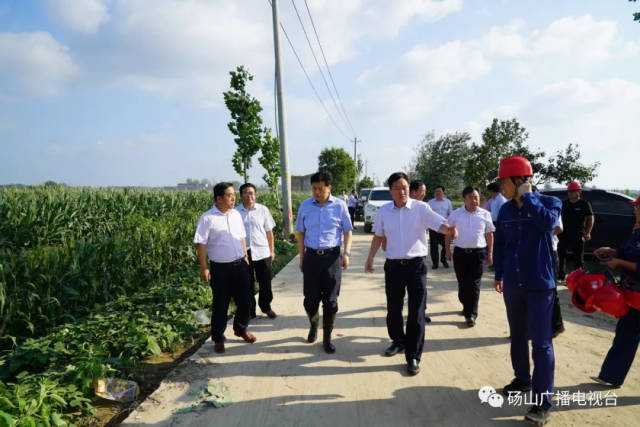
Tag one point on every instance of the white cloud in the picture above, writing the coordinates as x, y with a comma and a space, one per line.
83, 16
36, 63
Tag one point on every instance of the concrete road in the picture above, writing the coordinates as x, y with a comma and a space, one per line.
282, 381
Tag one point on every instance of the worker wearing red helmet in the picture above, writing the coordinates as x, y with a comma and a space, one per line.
524, 273
578, 220
618, 361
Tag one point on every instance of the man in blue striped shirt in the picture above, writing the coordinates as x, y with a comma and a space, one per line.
525, 275
322, 223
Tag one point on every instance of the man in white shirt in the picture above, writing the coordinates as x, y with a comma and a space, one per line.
473, 243
353, 200
443, 207
220, 236
258, 224
403, 222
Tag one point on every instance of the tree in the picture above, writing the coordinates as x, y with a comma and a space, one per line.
501, 139
365, 182
270, 161
247, 123
340, 165
636, 16
566, 166
441, 161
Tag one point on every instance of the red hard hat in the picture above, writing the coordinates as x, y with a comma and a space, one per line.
572, 279
632, 298
574, 185
514, 166
609, 300
586, 287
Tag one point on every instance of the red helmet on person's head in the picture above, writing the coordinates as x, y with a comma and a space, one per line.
609, 300
514, 166
572, 279
574, 185
587, 285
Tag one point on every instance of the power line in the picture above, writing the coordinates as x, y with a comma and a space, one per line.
344, 111
310, 82
313, 53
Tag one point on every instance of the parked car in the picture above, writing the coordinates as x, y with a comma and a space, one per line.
377, 197
362, 200
614, 216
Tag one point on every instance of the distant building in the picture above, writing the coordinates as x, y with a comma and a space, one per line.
300, 183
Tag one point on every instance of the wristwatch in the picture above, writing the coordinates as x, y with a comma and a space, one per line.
347, 253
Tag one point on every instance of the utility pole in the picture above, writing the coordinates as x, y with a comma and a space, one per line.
287, 217
355, 159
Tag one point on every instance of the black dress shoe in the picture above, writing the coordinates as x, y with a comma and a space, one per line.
471, 321
393, 349
427, 319
413, 367
445, 264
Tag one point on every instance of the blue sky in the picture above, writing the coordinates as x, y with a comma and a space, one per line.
129, 92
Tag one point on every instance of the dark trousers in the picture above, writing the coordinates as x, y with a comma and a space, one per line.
230, 279
261, 271
412, 276
322, 275
623, 350
352, 215
435, 240
574, 244
529, 315
556, 319
468, 265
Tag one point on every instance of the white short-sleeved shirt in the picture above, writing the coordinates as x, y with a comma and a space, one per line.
222, 234
441, 207
352, 201
555, 239
472, 227
257, 221
406, 228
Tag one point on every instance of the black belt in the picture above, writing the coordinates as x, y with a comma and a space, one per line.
227, 264
405, 261
469, 250
323, 251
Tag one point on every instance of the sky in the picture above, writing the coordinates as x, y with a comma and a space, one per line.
129, 92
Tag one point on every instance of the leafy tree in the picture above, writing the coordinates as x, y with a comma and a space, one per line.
246, 124
441, 161
365, 182
270, 161
501, 139
565, 166
341, 166
636, 16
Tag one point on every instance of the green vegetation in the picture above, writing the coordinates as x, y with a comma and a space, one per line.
92, 282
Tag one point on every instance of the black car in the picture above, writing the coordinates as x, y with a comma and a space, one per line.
362, 200
614, 217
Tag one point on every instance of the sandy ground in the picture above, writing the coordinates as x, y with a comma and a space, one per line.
282, 381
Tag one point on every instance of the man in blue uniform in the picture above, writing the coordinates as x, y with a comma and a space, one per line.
323, 222
525, 275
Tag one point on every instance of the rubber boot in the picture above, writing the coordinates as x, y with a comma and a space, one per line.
313, 328
327, 328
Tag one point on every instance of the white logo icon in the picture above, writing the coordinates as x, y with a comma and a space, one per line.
496, 400
485, 392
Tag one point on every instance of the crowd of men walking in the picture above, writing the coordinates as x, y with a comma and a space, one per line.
524, 236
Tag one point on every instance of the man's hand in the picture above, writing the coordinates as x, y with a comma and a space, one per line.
448, 253
489, 258
497, 285
368, 265
525, 187
587, 237
612, 263
345, 261
205, 274
273, 256
301, 258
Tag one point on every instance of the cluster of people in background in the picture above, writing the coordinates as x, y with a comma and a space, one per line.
522, 235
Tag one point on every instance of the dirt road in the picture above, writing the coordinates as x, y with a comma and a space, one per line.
283, 381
